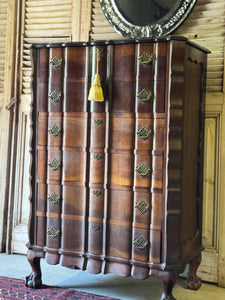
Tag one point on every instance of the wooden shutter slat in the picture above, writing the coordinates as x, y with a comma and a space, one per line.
102, 36
51, 8
45, 15
46, 21
47, 26
207, 19
29, 41
46, 33
50, 21
42, 3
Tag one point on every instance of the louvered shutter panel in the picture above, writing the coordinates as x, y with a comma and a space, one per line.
205, 26
3, 25
46, 21
100, 27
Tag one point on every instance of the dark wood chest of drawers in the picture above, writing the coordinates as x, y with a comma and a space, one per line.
117, 185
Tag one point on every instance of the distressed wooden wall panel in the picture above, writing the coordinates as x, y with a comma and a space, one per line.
205, 25
100, 27
210, 204
3, 116
3, 24
8, 64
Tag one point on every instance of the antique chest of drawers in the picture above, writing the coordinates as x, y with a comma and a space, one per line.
117, 185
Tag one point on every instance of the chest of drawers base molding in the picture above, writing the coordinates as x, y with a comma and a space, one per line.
117, 185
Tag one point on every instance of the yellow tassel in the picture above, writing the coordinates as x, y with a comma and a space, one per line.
96, 93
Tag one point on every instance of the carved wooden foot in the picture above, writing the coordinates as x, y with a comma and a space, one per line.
168, 282
193, 281
34, 279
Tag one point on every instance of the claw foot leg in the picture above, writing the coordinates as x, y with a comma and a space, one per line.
193, 281
168, 282
34, 279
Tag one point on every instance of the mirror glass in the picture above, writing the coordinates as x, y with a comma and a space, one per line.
145, 12
146, 18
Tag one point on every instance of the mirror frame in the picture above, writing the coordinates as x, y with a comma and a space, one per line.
162, 27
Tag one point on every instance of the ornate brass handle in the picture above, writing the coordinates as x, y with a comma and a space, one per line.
97, 157
97, 122
95, 227
54, 130
54, 96
53, 198
97, 193
140, 243
142, 170
142, 207
53, 232
145, 58
54, 164
144, 95
144, 133
56, 62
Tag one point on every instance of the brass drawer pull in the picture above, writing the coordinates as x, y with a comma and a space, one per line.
95, 227
142, 170
142, 207
97, 122
54, 130
97, 193
140, 243
53, 198
53, 232
144, 133
145, 58
54, 96
144, 95
54, 164
56, 62
97, 157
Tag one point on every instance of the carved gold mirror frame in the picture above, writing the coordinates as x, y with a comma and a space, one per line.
146, 18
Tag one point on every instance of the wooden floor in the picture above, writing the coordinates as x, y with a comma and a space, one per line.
16, 266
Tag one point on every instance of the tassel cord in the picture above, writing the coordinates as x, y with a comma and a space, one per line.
96, 93
98, 59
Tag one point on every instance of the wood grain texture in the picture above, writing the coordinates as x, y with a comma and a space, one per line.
8, 34
126, 174
3, 24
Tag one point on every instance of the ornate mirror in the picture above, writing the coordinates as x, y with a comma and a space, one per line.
146, 18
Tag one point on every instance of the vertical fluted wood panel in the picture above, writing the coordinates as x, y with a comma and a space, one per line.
42, 68
54, 160
75, 157
143, 136
97, 165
